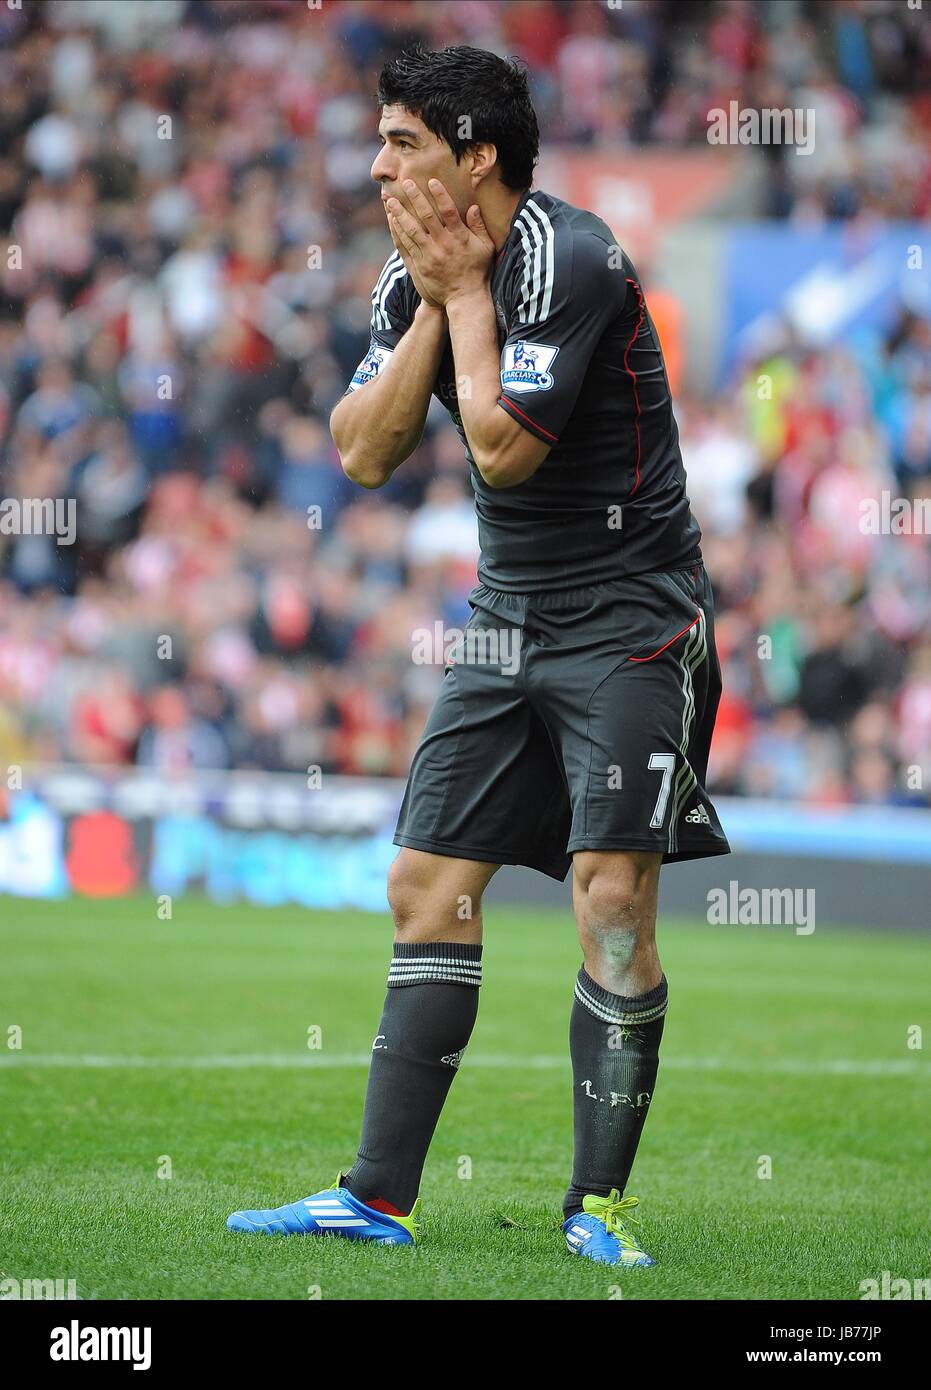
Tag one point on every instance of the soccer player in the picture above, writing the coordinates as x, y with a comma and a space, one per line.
573, 726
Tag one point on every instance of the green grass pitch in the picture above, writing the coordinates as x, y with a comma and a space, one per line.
145, 1041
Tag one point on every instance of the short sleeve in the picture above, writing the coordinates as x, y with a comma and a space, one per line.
565, 294
390, 321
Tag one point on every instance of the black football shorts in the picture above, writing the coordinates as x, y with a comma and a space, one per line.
573, 720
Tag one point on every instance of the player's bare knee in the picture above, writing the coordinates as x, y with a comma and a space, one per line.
616, 895
404, 892
431, 900
620, 888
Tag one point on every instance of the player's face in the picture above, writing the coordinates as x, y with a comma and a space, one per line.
411, 151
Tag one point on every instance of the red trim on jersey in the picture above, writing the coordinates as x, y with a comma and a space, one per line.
633, 377
669, 643
528, 419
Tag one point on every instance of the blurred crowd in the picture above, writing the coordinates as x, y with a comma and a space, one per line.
170, 352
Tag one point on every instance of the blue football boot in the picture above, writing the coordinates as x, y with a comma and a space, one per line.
334, 1212
599, 1233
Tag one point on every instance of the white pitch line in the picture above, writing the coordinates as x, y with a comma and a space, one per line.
840, 1066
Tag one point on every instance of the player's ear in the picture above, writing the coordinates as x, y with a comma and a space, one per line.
484, 161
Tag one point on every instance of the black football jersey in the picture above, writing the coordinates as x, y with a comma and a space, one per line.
582, 369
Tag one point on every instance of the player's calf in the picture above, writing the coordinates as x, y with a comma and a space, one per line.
614, 1036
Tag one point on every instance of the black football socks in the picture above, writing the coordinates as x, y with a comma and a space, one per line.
430, 1011
614, 1043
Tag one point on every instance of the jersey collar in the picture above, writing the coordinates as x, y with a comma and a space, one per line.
517, 212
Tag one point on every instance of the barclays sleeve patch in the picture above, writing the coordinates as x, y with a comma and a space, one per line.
372, 363
526, 366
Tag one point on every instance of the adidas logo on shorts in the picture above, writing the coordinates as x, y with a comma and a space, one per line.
698, 817
454, 1058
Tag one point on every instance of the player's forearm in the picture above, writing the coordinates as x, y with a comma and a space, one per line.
377, 427
474, 336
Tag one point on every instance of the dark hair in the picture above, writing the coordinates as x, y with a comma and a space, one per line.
443, 87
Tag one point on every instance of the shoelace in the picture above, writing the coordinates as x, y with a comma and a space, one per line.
609, 1209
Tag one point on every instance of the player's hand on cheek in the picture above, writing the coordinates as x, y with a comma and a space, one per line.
452, 257
410, 260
